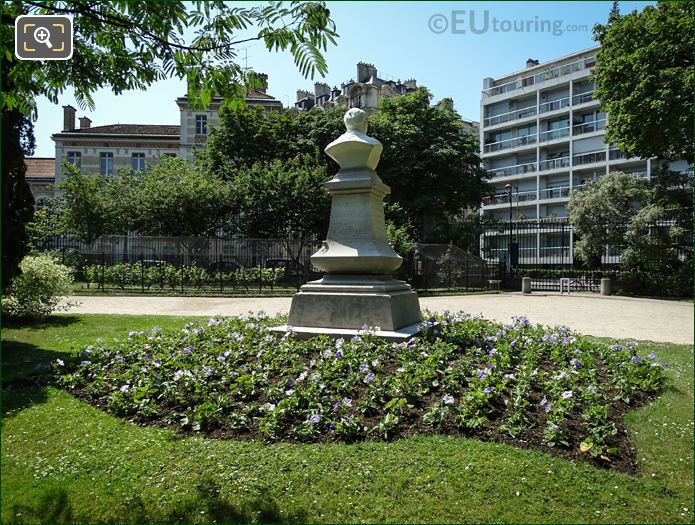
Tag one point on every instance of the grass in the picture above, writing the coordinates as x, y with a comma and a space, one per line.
64, 461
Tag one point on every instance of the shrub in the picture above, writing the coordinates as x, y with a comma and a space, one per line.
37, 291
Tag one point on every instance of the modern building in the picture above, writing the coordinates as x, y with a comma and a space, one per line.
542, 138
366, 92
109, 148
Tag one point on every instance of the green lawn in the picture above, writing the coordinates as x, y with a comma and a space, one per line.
65, 461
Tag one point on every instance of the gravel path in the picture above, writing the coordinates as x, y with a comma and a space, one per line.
619, 317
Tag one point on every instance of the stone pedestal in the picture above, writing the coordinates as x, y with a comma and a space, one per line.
357, 289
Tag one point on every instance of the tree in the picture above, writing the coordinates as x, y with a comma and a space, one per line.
130, 45
175, 199
430, 160
17, 200
645, 80
601, 211
283, 199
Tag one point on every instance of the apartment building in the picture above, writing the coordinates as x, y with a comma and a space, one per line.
107, 149
541, 138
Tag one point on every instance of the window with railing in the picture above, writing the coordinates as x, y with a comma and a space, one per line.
513, 170
511, 115
554, 193
582, 98
554, 134
536, 78
510, 143
554, 105
589, 158
553, 164
589, 127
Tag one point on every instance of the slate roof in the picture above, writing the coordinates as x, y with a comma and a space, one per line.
40, 168
129, 129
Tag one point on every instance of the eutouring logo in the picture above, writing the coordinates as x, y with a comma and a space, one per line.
471, 21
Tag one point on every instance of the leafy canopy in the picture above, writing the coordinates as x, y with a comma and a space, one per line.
131, 44
645, 80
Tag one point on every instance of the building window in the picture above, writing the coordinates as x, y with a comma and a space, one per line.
137, 161
201, 124
75, 158
106, 163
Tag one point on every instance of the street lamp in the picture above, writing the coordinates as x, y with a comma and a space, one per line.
512, 248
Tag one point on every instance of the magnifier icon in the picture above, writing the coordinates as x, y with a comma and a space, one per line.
42, 36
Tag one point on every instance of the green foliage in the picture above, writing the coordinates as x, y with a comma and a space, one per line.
128, 46
456, 375
600, 212
346, 480
36, 292
282, 199
645, 79
430, 160
17, 201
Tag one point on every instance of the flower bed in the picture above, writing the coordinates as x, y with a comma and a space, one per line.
528, 385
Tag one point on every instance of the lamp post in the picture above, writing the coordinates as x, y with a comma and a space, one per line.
512, 248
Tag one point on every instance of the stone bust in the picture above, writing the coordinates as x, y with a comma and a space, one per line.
354, 148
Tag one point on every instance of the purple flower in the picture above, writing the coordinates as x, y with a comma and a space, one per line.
120, 359
330, 427
302, 376
553, 427
125, 388
482, 373
207, 370
338, 354
548, 407
591, 389
636, 360
363, 368
489, 390
289, 392
157, 363
370, 377
85, 363
314, 419
339, 342
491, 353
512, 344
575, 363
566, 394
290, 383
448, 399
543, 401
652, 357
327, 354
561, 375
347, 402
545, 338
197, 330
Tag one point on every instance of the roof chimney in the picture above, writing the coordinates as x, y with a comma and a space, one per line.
85, 123
69, 118
531, 62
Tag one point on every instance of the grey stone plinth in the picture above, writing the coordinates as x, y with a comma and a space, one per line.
348, 302
307, 332
525, 285
606, 286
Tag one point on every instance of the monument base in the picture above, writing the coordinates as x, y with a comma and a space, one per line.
349, 302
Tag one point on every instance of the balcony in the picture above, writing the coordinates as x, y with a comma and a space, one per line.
518, 169
554, 164
554, 193
510, 143
582, 98
615, 154
554, 105
554, 134
589, 158
588, 127
512, 115
517, 197
537, 78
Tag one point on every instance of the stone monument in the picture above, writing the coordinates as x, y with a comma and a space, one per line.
357, 289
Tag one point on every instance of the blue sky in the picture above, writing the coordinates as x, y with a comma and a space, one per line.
397, 38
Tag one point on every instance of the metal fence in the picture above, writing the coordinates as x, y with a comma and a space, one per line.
237, 265
544, 250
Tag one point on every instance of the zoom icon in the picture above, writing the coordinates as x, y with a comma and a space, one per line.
43, 37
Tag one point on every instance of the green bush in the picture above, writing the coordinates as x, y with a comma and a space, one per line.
36, 292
